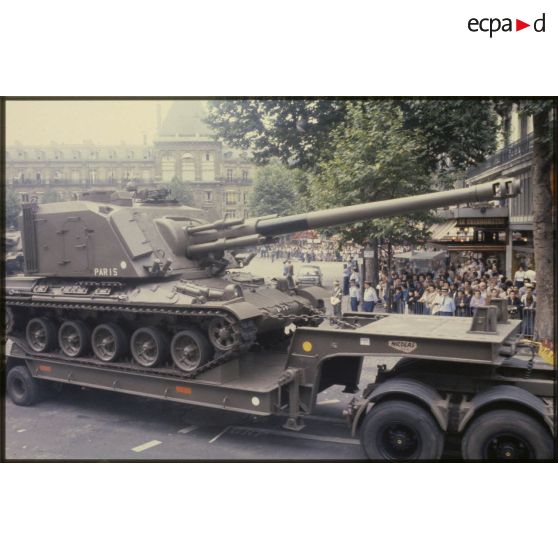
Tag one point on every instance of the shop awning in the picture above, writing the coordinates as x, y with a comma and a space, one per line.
441, 231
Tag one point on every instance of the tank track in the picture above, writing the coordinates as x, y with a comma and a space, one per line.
167, 372
247, 338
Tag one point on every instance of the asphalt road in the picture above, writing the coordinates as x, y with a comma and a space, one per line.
88, 424
268, 269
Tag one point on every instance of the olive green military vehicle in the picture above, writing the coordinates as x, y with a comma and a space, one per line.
158, 285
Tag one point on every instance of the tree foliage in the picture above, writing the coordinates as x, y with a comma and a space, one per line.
13, 207
51, 196
181, 191
275, 190
457, 133
374, 157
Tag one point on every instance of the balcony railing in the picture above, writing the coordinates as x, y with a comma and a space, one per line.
78, 182
509, 153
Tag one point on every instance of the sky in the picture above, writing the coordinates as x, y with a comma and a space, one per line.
102, 122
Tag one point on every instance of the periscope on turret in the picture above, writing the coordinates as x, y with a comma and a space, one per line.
154, 282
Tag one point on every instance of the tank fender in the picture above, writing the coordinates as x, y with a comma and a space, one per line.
313, 294
412, 388
510, 394
243, 310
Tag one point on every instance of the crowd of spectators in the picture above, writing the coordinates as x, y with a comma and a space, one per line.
451, 290
306, 253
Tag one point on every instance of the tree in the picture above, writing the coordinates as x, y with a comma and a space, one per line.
51, 196
294, 131
13, 207
275, 190
544, 226
374, 158
457, 133
181, 191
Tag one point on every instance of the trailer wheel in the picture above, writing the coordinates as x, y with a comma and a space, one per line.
190, 349
401, 431
74, 338
41, 335
506, 435
109, 342
22, 388
149, 346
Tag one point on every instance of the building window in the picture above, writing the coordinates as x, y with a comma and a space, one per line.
229, 175
244, 176
231, 197
208, 195
208, 157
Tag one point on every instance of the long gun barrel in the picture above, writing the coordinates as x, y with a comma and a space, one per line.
209, 238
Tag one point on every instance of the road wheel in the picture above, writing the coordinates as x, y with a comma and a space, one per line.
401, 431
223, 334
109, 342
74, 338
190, 349
149, 346
506, 435
22, 388
41, 335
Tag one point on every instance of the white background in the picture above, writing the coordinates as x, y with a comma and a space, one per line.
280, 48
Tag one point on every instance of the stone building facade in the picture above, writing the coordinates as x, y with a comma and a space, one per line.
221, 179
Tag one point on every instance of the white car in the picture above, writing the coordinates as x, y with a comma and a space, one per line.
309, 275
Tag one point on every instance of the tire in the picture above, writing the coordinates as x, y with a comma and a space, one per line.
506, 435
41, 335
23, 389
399, 430
109, 342
74, 338
149, 347
190, 349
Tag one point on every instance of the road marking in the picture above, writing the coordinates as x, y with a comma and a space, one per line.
22, 430
332, 439
188, 429
328, 402
146, 446
219, 435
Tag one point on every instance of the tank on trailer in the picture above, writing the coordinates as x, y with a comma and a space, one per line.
158, 284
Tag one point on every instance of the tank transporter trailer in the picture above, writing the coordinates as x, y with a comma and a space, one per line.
148, 300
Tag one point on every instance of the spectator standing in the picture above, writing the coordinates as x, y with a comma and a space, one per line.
336, 299
477, 299
354, 295
369, 297
346, 275
531, 273
519, 277
444, 304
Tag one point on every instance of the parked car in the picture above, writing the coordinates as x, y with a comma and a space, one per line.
309, 275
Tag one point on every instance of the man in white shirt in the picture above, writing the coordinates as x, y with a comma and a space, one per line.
370, 297
444, 305
354, 295
531, 274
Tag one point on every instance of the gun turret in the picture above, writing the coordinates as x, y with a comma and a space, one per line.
103, 240
218, 236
